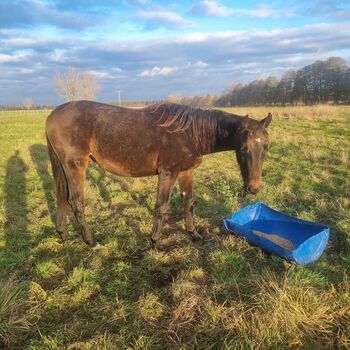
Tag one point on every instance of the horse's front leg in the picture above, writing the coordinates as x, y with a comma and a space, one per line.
166, 181
186, 183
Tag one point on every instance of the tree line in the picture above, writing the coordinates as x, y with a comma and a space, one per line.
320, 82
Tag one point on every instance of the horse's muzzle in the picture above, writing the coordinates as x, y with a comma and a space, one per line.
253, 186
253, 190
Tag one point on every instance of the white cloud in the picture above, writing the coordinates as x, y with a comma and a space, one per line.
214, 8
27, 70
261, 12
57, 55
166, 70
289, 59
192, 38
7, 58
13, 58
210, 8
162, 16
198, 64
198, 38
110, 74
158, 71
99, 74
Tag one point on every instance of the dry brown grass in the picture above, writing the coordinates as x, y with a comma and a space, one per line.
302, 314
284, 313
14, 319
316, 112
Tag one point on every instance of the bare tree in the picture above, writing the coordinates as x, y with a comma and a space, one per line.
28, 103
285, 88
76, 85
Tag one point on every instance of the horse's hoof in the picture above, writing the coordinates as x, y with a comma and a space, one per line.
156, 245
97, 247
195, 236
62, 238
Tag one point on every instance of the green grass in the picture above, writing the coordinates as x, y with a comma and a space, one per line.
216, 294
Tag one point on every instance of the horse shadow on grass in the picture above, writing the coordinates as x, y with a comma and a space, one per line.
16, 222
100, 181
103, 178
39, 155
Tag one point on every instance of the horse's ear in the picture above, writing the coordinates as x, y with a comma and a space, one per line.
266, 121
245, 122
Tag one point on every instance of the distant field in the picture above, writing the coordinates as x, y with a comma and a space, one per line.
216, 294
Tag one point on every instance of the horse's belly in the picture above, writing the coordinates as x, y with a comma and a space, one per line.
129, 164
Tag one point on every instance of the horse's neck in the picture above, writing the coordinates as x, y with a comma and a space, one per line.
225, 136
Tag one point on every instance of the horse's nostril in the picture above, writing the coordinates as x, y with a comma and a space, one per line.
253, 190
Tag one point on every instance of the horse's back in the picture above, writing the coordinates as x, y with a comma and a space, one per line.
86, 113
85, 120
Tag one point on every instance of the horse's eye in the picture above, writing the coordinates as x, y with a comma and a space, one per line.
244, 149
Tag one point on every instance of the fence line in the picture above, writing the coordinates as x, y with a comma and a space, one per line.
7, 112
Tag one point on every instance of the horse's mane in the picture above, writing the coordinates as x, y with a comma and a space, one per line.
201, 124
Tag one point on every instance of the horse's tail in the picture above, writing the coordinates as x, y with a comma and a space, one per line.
60, 180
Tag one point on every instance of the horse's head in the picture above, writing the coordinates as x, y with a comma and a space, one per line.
252, 144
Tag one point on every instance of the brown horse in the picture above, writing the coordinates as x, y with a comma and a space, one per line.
167, 140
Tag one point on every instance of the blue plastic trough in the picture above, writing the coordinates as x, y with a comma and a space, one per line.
307, 240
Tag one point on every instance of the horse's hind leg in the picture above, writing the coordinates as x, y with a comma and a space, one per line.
76, 171
61, 216
166, 182
61, 190
185, 180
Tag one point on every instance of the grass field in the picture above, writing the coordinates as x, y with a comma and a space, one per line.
217, 294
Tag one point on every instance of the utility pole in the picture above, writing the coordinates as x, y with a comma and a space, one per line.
119, 98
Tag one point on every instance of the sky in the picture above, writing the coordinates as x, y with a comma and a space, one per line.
150, 49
